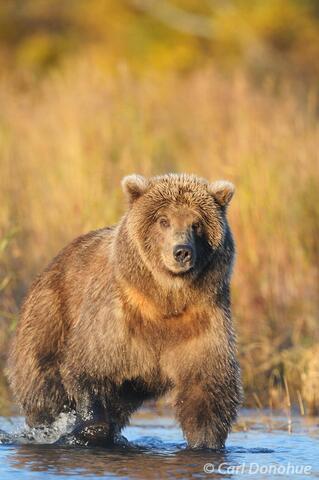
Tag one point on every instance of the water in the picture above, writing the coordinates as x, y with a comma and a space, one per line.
260, 447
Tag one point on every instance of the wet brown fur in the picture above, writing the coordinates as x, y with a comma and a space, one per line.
105, 326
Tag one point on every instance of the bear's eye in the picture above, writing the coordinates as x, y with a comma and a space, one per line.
164, 222
197, 226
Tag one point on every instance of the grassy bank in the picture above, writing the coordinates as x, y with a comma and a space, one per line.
66, 142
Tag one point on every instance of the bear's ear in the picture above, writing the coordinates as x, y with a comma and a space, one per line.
134, 186
222, 191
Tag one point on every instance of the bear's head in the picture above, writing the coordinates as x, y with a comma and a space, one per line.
178, 221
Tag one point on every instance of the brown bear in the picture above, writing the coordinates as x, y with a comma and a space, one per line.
128, 313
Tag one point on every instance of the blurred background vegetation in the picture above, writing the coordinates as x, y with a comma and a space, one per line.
93, 90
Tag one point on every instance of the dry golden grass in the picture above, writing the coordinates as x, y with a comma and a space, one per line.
66, 142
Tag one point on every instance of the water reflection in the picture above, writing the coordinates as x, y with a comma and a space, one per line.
136, 463
157, 450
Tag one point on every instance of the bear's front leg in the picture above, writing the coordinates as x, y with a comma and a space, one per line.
92, 425
206, 412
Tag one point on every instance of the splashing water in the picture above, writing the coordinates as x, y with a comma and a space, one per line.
23, 435
260, 446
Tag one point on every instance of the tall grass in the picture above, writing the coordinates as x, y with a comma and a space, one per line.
8, 319
66, 142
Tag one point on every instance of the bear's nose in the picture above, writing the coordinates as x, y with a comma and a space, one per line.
183, 253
